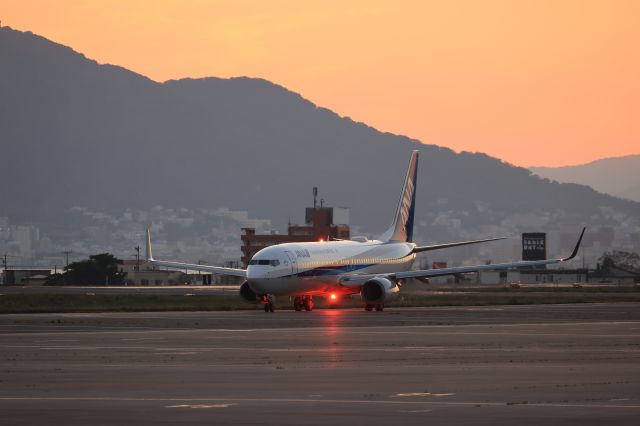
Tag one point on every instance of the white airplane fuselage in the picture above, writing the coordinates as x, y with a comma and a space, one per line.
315, 268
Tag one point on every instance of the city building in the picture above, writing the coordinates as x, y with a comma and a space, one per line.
614, 275
143, 273
534, 276
25, 276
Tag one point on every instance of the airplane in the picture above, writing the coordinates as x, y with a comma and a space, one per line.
373, 268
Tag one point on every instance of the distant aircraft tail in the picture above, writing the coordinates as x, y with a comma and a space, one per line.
401, 228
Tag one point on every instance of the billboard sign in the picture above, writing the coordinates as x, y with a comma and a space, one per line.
534, 246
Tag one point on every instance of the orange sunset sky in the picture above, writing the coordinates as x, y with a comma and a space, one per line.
531, 82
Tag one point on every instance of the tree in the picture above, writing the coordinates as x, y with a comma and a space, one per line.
621, 259
99, 269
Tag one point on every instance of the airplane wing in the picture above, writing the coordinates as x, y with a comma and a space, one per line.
203, 268
419, 249
192, 266
358, 280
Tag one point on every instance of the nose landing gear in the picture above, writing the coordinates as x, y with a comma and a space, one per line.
305, 302
269, 306
308, 303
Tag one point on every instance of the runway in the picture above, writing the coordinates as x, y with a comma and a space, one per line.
500, 365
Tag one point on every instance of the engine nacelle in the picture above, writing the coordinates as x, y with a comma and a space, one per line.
379, 290
247, 294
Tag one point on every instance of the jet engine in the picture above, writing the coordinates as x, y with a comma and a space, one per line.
379, 291
247, 294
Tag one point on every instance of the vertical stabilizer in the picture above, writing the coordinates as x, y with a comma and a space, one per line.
402, 227
149, 253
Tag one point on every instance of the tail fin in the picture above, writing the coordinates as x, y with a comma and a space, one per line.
401, 228
149, 252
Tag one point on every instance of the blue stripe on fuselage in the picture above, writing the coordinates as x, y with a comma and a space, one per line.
317, 272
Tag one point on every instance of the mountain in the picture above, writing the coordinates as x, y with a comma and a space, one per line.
78, 133
616, 176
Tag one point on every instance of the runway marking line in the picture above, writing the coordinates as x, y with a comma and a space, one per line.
176, 353
325, 401
412, 394
135, 339
201, 405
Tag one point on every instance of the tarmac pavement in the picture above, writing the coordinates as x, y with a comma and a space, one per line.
561, 364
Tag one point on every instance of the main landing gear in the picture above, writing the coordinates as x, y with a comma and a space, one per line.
268, 303
369, 308
305, 302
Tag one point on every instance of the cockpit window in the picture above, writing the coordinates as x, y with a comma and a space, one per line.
275, 262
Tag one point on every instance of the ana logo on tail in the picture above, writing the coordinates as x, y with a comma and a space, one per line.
406, 208
402, 227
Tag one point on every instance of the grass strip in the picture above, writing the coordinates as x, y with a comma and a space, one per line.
41, 303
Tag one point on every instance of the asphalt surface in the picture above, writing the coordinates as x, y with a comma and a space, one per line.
218, 289
560, 364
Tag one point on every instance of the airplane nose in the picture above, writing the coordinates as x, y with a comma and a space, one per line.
255, 273
251, 273
256, 276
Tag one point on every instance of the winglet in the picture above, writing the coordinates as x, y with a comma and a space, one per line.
149, 252
577, 247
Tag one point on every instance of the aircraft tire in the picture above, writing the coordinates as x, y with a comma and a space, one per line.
308, 303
